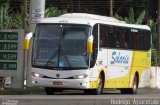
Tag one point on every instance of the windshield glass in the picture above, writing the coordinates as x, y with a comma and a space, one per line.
60, 46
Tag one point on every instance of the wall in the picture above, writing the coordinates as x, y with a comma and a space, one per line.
155, 77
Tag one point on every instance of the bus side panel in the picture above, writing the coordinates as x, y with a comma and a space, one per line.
142, 63
100, 66
119, 67
118, 82
139, 62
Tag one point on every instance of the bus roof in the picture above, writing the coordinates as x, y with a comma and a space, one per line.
90, 19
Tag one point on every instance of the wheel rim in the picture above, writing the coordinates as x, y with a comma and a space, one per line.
135, 85
100, 86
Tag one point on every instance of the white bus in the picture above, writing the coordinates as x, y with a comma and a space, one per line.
90, 53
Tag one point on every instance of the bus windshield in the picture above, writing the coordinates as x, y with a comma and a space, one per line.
60, 46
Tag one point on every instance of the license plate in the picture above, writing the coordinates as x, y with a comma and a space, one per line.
57, 83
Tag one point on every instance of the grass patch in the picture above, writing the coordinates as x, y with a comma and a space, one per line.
21, 91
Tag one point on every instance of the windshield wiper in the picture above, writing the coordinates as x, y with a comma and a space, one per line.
50, 59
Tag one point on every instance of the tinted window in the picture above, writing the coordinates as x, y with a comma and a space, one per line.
103, 36
95, 45
124, 38
111, 37
141, 39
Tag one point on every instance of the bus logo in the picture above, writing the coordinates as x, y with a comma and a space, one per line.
118, 58
57, 75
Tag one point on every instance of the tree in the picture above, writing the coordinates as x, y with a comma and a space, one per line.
131, 18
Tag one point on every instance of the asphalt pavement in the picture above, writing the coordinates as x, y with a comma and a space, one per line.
145, 96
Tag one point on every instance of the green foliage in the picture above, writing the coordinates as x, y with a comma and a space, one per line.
5, 19
118, 17
21, 91
141, 17
131, 18
16, 20
52, 12
10, 19
154, 57
153, 26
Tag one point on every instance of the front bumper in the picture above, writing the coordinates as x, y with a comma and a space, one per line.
61, 83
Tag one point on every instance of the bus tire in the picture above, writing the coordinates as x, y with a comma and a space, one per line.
132, 90
88, 91
123, 91
100, 85
51, 91
98, 90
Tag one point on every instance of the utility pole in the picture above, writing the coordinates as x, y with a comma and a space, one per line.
111, 8
24, 14
37, 10
158, 31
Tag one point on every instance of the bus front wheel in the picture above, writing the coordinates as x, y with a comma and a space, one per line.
51, 91
99, 88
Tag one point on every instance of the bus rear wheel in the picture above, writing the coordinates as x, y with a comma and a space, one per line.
132, 90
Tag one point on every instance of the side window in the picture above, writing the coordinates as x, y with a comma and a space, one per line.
147, 39
140, 39
135, 39
124, 38
128, 43
121, 37
95, 45
111, 36
117, 36
103, 42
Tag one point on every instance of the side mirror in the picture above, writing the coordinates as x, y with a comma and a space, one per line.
27, 41
90, 44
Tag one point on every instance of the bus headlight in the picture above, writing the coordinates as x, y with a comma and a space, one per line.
37, 75
82, 76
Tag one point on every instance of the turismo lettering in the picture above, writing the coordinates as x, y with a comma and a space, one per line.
118, 58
